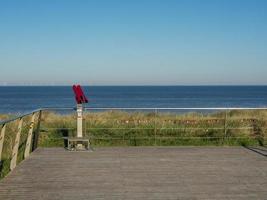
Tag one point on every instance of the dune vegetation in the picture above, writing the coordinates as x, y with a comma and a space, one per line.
118, 128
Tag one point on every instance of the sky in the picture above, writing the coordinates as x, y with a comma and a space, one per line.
140, 42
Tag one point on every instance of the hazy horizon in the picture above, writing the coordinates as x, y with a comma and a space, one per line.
86, 85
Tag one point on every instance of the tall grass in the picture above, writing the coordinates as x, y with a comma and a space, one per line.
118, 128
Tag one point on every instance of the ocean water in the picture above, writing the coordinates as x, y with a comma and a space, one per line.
21, 99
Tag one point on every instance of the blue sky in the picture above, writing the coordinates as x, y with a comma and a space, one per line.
140, 42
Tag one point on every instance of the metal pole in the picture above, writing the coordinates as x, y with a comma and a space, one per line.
79, 120
79, 124
2, 137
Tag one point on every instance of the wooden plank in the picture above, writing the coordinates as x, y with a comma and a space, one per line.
29, 137
15, 149
139, 173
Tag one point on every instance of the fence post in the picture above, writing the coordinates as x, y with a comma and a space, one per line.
36, 134
2, 137
29, 138
225, 124
155, 127
15, 149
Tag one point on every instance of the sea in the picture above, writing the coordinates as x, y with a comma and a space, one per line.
23, 99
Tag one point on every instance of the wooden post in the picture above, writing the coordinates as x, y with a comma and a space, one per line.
225, 125
29, 138
36, 134
155, 128
15, 149
2, 137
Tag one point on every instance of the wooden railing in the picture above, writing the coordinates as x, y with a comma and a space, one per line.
21, 124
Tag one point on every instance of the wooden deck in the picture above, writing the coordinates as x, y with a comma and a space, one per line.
139, 173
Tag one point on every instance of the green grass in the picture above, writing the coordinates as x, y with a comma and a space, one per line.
116, 128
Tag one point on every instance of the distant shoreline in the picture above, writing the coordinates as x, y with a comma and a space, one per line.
264, 85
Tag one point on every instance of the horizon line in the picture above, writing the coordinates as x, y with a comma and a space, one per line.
145, 85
